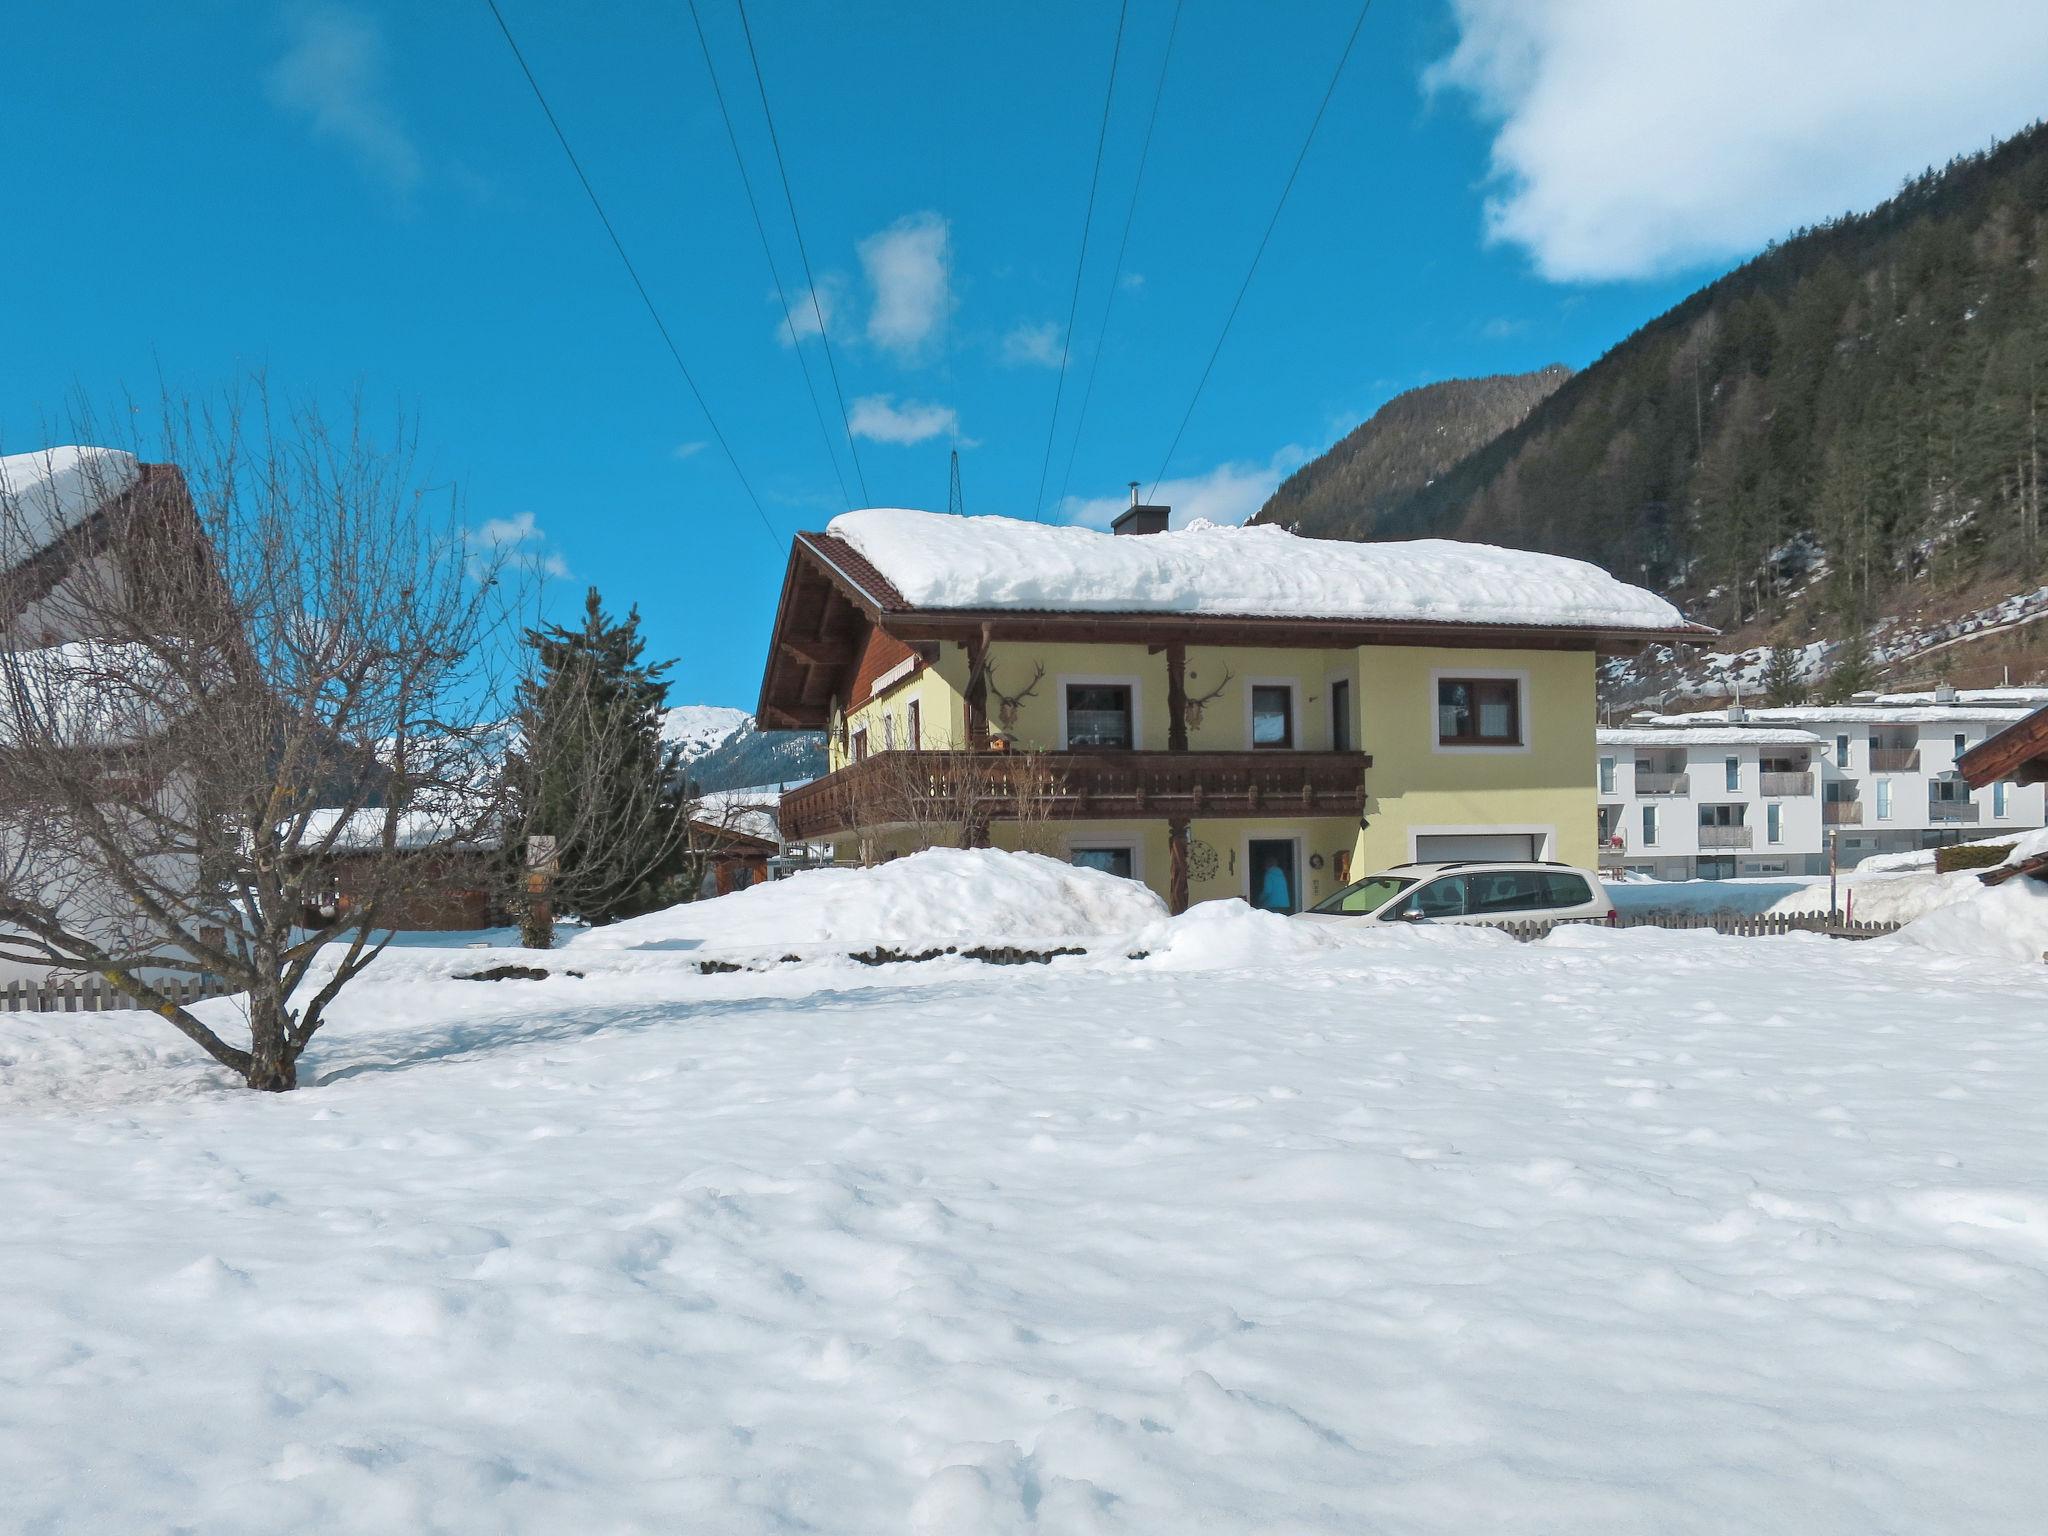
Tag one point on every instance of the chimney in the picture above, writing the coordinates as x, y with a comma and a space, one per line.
1945, 693
1138, 518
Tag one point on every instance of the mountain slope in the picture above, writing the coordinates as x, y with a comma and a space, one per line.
1408, 442
723, 749
1848, 425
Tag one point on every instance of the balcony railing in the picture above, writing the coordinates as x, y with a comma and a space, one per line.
1894, 759
1952, 810
1663, 783
1841, 813
1726, 837
1780, 786
926, 788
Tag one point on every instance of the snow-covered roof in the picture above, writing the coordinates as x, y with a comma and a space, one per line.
2010, 697
86, 695
1850, 714
47, 493
362, 831
1697, 736
981, 563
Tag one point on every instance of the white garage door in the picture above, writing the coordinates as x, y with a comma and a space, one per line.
1443, 847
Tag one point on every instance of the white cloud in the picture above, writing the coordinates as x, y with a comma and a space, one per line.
1229, 493
689, 450
1639, 138
909, 267
880, 419
515, 541
332, 75
805, 305
1036, 343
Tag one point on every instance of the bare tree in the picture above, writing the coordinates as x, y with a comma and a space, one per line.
947, 799
226, 676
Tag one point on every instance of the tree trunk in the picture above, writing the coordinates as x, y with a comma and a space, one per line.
273, 1059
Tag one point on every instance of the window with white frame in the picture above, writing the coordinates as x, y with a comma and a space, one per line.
1999, 799
1884, 799
888, 732
1842, 751
1649, 826
1606, 775
1478, 712
1962, 743
1100, 715
1732, 769
1272, 715
1774, 823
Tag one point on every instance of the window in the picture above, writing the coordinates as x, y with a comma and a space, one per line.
1606, 775
1118, 860
1999, 792
1884, 799
1099, 715
1732, 768
1340, 716
1774, 823
1506, 890
1439, 898
1363, 896
1478, 712
1272, 715
1722, 815
1565, 890
1842, 751
860, 745
889, 733
1650, 826
1962, 743
914, 716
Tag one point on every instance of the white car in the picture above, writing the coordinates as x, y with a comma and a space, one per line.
1471, 891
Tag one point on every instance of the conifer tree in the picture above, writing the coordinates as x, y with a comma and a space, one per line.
1853, 670
1783, 684
595, 772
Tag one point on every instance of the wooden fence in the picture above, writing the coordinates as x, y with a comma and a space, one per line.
94, 995
1738, 925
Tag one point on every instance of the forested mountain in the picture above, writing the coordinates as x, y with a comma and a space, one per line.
1843, 426
1409, 441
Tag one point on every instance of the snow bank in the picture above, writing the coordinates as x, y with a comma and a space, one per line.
1885, 897
998, 562
45, 494
2008, 921
942, 896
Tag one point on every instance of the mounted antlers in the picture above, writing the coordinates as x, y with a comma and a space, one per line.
1192, 710
1009, 705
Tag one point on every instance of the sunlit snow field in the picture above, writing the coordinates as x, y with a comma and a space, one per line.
1268, 1231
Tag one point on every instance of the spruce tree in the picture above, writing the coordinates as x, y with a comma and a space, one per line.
1853, 670
1782, 682
596, 774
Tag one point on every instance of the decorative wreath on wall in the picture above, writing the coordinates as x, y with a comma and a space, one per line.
1201, 860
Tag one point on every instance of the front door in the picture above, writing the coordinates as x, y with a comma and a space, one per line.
1276, 882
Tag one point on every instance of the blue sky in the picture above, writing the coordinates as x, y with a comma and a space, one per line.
365, 194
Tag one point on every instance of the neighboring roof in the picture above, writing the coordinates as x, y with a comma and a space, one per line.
86, 695
44, 495
362, 831
2010, 697
931, 560
1701, 736
2019, 753
1846, 714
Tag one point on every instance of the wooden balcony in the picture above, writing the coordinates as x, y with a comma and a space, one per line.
1894, 759
1726, 837
1779, 786
902, 788
1841, 813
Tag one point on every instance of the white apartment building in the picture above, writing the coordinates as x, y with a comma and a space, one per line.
1885, 766
1685, 802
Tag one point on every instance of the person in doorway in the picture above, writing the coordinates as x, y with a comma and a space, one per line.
1274, 891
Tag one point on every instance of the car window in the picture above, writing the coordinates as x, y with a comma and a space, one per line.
1567, 890
1439, 898
1508, 890
1367, 895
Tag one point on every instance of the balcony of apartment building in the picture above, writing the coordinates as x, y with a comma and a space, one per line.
1894, 751
1662, 773
1949, 803
1786, 778
1725, 826
1841, 803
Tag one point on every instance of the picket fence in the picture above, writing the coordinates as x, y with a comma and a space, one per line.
91, 994
1738, 925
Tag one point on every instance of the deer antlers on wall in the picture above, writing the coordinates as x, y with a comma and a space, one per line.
1009, 705
1192, 710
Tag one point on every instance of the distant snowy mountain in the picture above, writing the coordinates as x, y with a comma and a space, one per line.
722, 749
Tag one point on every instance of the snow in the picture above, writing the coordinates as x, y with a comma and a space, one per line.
1882, 896
941, 561
1417, 1232
701, 728
938, 897
88, 694
47, 493
362, 830
1700, 736
1851, 714
2008, 921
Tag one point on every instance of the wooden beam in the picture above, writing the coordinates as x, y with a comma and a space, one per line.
822, 652
1177, 878
977, 688
1177, 700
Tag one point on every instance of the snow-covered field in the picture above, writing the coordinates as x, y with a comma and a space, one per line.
1278, 1229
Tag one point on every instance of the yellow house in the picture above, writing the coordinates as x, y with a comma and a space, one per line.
1213, 711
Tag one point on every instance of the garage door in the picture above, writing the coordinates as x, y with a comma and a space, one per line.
1441, 848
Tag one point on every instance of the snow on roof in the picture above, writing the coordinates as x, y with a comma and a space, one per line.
942, 561
1699, 736
2029, 698
47, 493
1850, 714
86, 695
362, 831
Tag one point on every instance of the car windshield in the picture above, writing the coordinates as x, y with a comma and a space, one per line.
1361, 896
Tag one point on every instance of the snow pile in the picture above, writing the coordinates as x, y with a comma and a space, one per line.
940, 561
45, 494
931, 899
1882, 897
2008, 921
1622, 1231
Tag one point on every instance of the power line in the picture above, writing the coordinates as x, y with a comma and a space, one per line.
1116, 267
768, 251
1081, 261
1322, 107
789, 197
641, 288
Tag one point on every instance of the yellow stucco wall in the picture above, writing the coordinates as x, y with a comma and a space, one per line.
1415, 787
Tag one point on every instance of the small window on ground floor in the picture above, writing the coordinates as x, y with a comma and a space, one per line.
1118, 859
